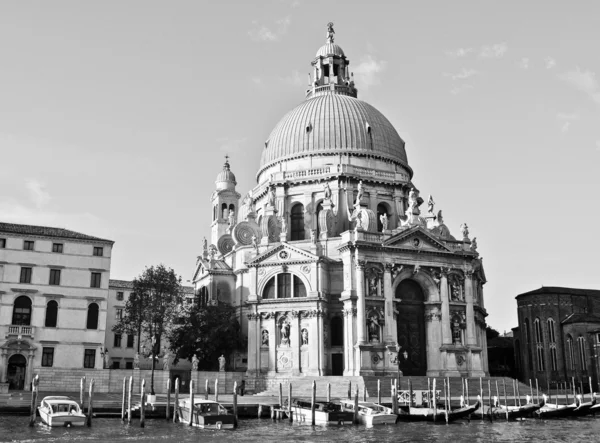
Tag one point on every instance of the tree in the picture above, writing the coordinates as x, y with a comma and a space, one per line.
491, 333
153, 306
207, 332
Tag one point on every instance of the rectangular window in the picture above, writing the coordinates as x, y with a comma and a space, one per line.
119, 314
25, 275
98, 251
89, 359
120, 295
2, 243
48, 357
117, 341
130, 340
284, 284
54, 277
57, 247
28, 245
128, 365
96, 279
116, 365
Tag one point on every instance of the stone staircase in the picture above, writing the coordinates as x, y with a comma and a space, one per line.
302, 386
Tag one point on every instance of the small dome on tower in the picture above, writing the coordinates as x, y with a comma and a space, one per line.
226, 178
330, 48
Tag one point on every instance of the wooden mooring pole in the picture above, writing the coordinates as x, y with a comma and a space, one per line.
394, 399
176, 405
217, 390
378, 391
490, 399
364, 392
280, 396
124, 402
129, 394
434, 399
143, 404
82, 393
235, 409
290, 415
505, 398
312, 402
168, 414
355, 418
537, 391
328, 392
34, 395
349, 390
90, 403
206, 389
191, 418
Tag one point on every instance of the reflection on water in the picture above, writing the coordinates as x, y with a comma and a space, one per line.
15, 429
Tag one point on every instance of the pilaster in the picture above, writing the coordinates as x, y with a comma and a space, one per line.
253, 345
295, 342
471, 339
389, 332
445, 298
360, 301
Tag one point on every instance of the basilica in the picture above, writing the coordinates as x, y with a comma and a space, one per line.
337, 264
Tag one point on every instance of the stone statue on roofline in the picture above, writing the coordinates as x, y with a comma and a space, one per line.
231, 219
195, 362
271, 196
430, 204
384, 221
464, 229
359, 194
330, 32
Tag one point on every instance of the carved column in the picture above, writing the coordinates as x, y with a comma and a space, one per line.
349, 337
4, 367
445, 296
253, 345
295, 342
471, 339
321, 364
360, 301
29, 371
389, 335
272, 343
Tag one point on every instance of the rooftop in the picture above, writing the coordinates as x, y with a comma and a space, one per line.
560, 290
47, 231
128, 284
581, 318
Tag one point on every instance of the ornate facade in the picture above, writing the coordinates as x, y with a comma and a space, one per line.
330, 258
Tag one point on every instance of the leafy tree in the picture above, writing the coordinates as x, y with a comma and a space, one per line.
152, 307
491, 333
207, 332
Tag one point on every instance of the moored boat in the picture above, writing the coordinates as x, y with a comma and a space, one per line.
61, 411
550, 410
370, 413
205, 414
411, 413
584, 408
499, 411
325, 413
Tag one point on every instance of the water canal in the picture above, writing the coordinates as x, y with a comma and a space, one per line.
15, 429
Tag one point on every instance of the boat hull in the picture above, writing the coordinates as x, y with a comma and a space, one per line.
62, 420
379, 419
552, 411
206, 421
303, 415
439, 415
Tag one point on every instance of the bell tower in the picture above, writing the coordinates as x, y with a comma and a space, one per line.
225, 203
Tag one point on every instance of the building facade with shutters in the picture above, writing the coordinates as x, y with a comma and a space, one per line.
334, 263
53, 301
558, 336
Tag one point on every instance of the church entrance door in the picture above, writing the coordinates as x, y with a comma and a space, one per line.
337, 364
411, 328
17, 366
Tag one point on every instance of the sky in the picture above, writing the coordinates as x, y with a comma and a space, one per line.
115, 118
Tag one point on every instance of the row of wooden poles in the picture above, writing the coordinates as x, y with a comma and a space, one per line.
126, 403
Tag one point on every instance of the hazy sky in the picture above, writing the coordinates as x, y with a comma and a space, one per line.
115, 117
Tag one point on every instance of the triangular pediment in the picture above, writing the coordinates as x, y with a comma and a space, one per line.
283, 253
416, 238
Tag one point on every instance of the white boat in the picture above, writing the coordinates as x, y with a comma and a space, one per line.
325, 413
205, 414
370, 413
61, 411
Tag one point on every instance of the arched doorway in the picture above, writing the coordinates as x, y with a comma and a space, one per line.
17, 367
411, 327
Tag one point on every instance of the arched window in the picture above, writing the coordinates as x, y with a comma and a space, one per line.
224, 213
318, 227
51, 314
92, 316
382, 208
284, 285
528, 343
231, 208
297, 222
570, 353
337, 331
581, 347
539, 345
22, 311
552, 340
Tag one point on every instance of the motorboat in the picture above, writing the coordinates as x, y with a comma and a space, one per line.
370, 413
61, 411
205, 414
325, 413
411, 413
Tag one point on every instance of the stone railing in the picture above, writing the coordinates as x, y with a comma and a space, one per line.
20, 330
374, 237
307, 173
377, 173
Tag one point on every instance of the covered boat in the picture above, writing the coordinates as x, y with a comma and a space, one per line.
61, 411
205, 414
370, 413
325, 413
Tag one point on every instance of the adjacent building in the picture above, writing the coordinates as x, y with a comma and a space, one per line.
53, 301
558, 336
333, 264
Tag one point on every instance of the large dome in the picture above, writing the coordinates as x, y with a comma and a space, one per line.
333, 124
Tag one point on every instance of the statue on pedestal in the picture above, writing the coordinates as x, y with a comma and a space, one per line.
430, 204
285, 334
304, 337
195, 362
136, 361
384, 221
271, 197
166, 362
231, 219
464, 229
359, 194
327, 192
222, 363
